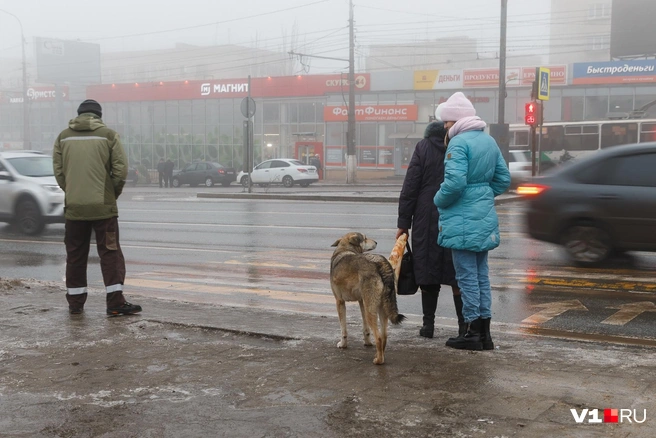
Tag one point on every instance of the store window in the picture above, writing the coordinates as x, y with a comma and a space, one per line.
367, 134
211, 115
226, 112
366, 156
306, 112
596, 107
645, 98
596, 104
171, 117
185, 117
271, 112
319, 111
335, 134
405, 128
485, 104
385, 130
621, 100
292, 112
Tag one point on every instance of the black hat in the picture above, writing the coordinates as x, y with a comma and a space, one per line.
90, 106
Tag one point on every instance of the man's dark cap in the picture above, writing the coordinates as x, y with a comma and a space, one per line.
90, 106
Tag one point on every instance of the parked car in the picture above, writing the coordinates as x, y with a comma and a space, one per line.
133, 177
520, 166
30, 197
207, 173
285, 171
598, 205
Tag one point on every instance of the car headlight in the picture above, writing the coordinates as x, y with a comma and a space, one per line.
53, 188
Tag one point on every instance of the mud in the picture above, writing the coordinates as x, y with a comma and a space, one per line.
191, 370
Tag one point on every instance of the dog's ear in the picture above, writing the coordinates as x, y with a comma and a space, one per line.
336, 242
356, 239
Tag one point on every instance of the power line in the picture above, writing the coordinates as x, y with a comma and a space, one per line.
210, 24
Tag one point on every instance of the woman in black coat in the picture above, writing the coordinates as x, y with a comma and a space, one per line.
433, 265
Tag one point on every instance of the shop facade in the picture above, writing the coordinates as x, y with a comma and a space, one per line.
302, 116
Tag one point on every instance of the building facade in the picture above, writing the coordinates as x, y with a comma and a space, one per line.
301, 115
580, 31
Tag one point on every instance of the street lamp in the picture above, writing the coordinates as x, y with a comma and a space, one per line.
26, 125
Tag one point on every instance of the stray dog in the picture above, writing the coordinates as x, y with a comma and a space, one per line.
369, 280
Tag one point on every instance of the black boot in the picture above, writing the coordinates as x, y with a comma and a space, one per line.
429, 295
471, 340
76, 303
462, 326
486, 339
116, 305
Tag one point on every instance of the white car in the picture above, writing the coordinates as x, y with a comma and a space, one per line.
520, 166
285, 171
30, 197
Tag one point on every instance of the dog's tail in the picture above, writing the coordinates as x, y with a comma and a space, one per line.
397, 319
389, 294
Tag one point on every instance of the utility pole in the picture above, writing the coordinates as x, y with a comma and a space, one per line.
351, 161
503, 130
26, 118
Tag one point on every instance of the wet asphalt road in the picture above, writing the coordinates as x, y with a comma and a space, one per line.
275, 254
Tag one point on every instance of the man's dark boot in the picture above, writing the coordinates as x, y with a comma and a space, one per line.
76, 303
471, 340
429, 306
462, 326
486, 339
117, 306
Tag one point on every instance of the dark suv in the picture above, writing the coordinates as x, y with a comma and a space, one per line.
597, 205
206, 173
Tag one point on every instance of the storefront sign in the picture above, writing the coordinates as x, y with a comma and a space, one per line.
489, 77
282, 86
372, 113
558, 75
483, 78
38, 94
616, 72
438, 79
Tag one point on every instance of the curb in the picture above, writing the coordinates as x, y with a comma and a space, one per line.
325, 198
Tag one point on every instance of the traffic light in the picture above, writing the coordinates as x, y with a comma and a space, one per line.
532, 114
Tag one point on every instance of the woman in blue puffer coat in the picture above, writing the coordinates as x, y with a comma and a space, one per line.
474, 174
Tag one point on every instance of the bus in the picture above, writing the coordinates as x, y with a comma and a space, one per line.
559, 142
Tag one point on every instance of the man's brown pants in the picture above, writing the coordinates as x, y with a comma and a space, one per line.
78, 239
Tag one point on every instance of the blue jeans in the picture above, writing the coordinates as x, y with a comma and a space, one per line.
473, 278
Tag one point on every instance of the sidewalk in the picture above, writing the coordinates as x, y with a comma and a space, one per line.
385, 190
196, 370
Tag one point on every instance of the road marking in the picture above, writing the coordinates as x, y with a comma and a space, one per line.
629, 311
247, 213
551, 310
167, 286
592, 284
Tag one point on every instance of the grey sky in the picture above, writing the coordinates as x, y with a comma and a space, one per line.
321, 26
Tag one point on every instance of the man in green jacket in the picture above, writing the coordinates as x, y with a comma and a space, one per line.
91, 168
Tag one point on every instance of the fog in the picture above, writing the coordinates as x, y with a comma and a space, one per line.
309, 26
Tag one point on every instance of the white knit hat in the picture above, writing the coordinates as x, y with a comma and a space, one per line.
438, 112
456, 107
